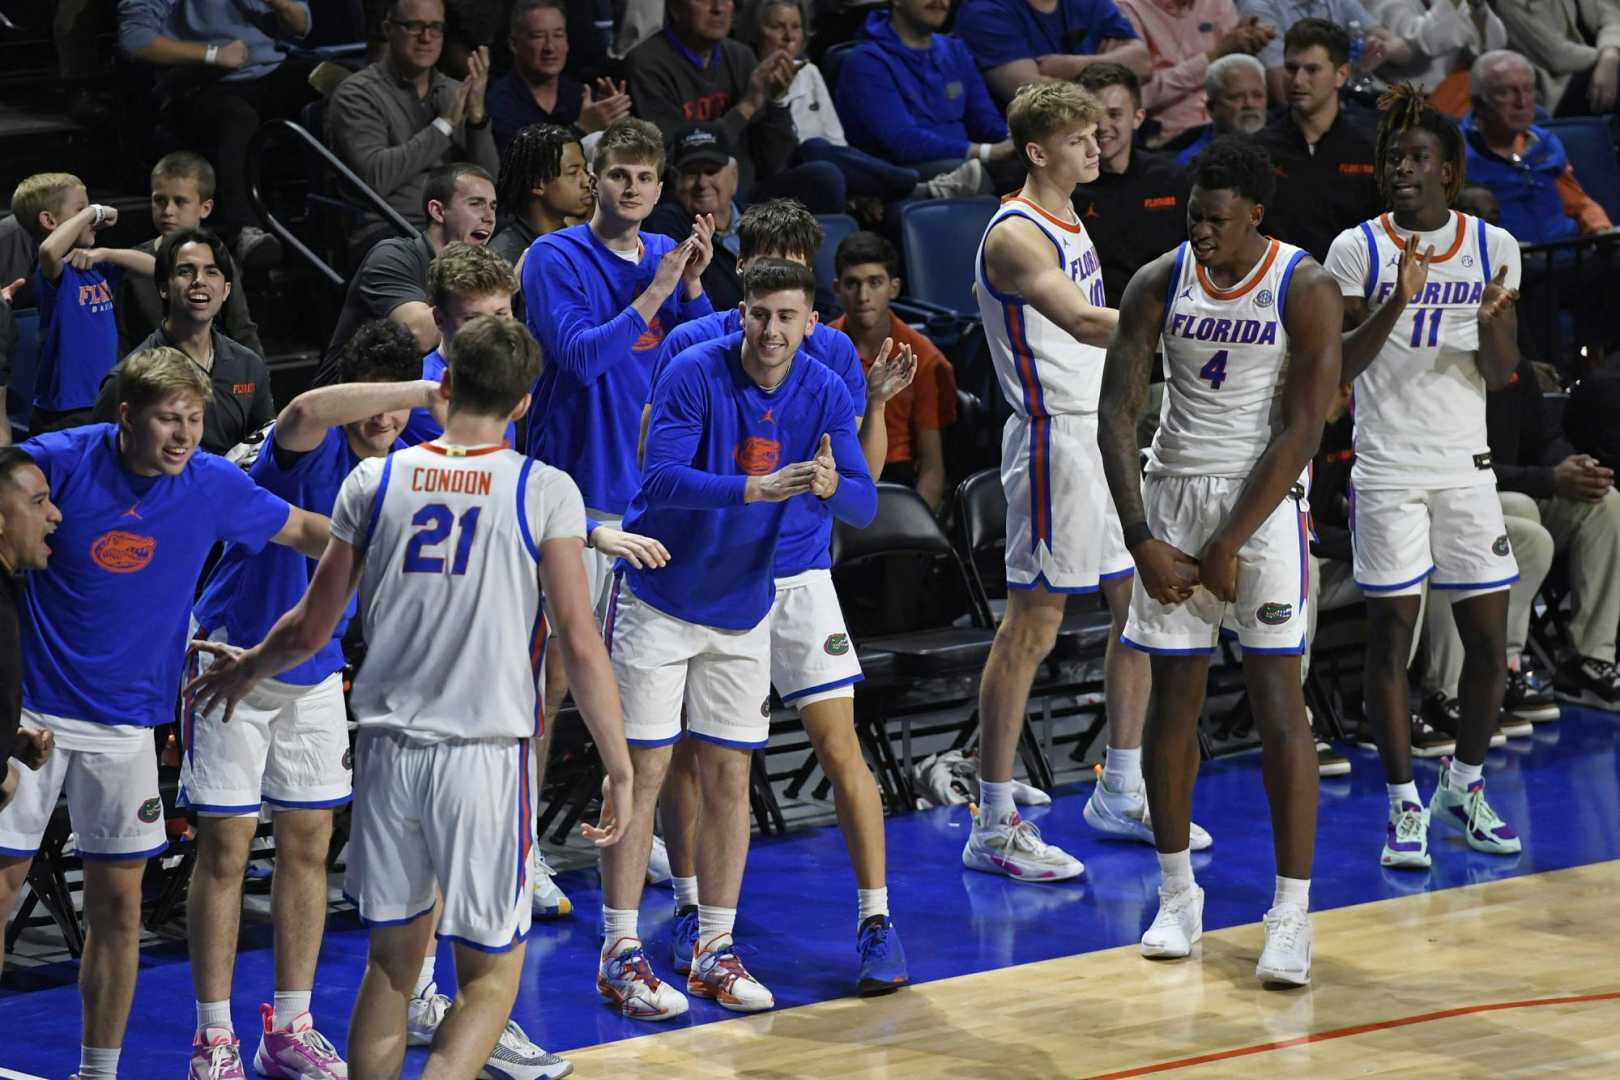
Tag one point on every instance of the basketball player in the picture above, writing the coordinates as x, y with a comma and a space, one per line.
289, 742
1047, 324
470, 535
726, 415
813, 662
1424, 504
103, 641
1249, 328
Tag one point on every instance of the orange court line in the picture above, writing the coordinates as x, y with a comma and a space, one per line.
1340, 1033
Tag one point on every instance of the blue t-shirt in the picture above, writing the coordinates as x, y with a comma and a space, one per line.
1002, 31
104, 626
421, 427
251, 587
806, 539
78, 336
586, 415
712, 427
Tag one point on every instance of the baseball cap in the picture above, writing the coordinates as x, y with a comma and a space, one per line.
698, 144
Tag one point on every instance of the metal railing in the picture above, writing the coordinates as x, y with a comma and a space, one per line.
1574, 278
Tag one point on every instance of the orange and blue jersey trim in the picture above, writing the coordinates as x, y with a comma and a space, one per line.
525, 834
539, 639
1040, 425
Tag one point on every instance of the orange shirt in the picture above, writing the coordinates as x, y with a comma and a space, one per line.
928, 404
1586, 211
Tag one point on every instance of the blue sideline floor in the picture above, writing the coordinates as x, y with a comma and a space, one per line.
1561, 789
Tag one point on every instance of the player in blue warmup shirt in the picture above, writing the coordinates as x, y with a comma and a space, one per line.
600, 297
288, 743
813, 664
741, 427
103, 643
75, 283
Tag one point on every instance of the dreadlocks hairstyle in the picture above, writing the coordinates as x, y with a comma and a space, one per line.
534, 156
1403, 109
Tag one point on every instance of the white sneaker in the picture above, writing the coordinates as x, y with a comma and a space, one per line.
1125, 814
516, 1058
424, 1015
1013, 846
1028, 795
625, 979
658, 870
968, 178
550, 902
1178, 925
1286, 959
718, 974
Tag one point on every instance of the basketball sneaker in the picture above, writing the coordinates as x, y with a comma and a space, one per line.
1013, 846
550, 902
1527, 697
1444, 717
683, 937
626, 979
1124, 814
658, 871
1329, 762
1589, 681
516, 1058
1406, 838
883, 959
216, 1055
1286, 959
1178, 925
1468, 812
423, 1016
718, 974
296, 1051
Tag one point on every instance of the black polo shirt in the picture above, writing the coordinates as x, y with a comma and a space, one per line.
242, 403
1324, 190
393, 273
11, 587
1134, 216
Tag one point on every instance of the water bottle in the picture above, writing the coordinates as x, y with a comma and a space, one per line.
1360, 82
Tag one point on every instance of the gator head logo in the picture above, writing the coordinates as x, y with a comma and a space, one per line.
1274, 614
120, 552
1501, 545
348, 759
150, 811
765, 708
837, 644
650, 338
756, 456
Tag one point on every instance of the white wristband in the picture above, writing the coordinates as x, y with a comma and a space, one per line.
101, 215
444, 126
211, 56
984, 153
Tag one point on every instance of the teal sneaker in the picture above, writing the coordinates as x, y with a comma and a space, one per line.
1406, 838
1468, 812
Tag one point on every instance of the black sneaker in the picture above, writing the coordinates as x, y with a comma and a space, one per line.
1434, 726
1528, 699
1329, 762
1588, 681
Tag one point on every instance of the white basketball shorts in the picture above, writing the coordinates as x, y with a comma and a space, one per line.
1062, 529
812, 658
1454, 537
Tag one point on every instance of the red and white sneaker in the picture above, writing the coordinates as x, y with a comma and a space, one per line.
718, 974
297, 1051
216, 1055
626, 979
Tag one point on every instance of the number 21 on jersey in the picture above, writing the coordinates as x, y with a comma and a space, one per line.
434, 523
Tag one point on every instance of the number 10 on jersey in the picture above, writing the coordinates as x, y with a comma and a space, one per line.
434, 523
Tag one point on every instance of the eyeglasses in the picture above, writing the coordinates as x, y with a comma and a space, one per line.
418, 28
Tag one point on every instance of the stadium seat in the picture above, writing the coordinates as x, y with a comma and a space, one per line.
939, 240
1591, 152
835, 228
832, 61
24, 369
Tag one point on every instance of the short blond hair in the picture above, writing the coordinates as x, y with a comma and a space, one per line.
468, 270
157, 374
43, 191
1042, 109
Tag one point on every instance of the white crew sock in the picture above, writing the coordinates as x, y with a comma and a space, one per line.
713, 924
96, 1063
1175, 871
686, 891
1407, 792
618, 924
216, 1014
1295, 891
424, 979
995, 800
872, 902
1462, 775
1123, 769
290, 1005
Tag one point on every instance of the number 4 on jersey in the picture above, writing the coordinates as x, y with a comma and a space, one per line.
1214, 371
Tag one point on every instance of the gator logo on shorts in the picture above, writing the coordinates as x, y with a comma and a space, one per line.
1275, 614
120, 552
765, 708
150, 811
348, 759
1501, 546
837, 644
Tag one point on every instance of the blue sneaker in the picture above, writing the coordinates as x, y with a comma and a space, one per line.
883, 958
683, 940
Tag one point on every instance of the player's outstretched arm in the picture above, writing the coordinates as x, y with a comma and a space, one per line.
1366, 332
1314, 321
1019, 259
127, 259
305, 532
590, 680
303, 424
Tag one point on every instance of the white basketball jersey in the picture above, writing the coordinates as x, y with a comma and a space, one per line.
450, 595
1420, 406
1225, 355
1042, 369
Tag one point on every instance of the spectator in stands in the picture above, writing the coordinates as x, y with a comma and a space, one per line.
458, 202
779, 27
1477, 199
704, 175
182, 198
225, 72
1136, 209
1020, 41
396, 120
544, 186
914, 96
1573, 47
1379, 45
18, 251
1442, 35
27, 519
693, 72
1322, 152
1589, 424
1523, 164
194, 278
536, 91
75, 283
1235, 88
868, 280
1184, 37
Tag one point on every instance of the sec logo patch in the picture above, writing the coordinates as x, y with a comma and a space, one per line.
837, 644
120, 552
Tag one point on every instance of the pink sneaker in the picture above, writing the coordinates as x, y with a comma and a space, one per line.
216, 1055
297, 1051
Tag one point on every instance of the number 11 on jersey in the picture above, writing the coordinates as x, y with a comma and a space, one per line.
1215, 370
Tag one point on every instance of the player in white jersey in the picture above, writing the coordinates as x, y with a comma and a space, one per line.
465, 536
1041, 297
1424, 502
1249, 328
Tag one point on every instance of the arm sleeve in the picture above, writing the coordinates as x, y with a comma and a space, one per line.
352, 511
1579, 205
846, 364
1505, 252
855, 501
1167, 85
1533, 480
571, 333
992, 37
53, 452
772, 140
140, 22
867, 86
678, 418
1347, 262
695, 308
556, 509
1603, 16
357, 131
985, 122
387, 282
1108, 23
479, 144
247, 514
